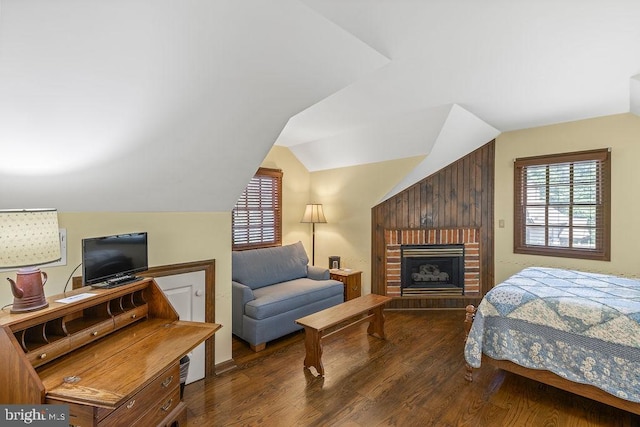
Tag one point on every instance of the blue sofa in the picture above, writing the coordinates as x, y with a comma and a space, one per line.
273, 287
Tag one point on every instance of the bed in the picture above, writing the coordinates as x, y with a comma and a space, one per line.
573, 330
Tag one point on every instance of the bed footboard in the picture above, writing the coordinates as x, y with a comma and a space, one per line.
468, 321
547, 377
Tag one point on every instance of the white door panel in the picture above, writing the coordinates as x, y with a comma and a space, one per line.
186, 294
180, 299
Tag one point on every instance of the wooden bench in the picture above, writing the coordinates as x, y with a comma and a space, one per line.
321, 324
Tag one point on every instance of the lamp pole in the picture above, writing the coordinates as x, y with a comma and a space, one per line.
313, 243
313, 213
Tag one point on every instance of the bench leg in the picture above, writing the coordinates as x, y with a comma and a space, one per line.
313, 348
376, 325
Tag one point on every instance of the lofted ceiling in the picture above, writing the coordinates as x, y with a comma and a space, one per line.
164, 105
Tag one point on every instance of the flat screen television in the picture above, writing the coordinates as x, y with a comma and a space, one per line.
113, 259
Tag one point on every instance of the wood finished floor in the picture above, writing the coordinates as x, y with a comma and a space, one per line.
413, 378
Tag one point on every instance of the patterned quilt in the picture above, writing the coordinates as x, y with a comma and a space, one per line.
584, 327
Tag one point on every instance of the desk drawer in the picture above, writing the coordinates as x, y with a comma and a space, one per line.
130, 316
160, 411
152, 397
91, 333
48, 352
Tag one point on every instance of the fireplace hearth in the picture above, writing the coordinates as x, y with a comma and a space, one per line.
432, 269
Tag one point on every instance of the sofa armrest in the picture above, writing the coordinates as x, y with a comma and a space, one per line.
240, 295
317, 273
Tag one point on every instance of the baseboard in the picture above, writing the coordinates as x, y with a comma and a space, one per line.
226, 366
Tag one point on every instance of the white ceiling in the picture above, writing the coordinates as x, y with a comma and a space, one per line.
161, 105
513, 64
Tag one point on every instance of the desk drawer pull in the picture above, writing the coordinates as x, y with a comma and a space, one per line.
166, 382
43, 356
131, 403
167, 405
94, 333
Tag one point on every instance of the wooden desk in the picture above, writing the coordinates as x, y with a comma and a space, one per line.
321, 325
112, 357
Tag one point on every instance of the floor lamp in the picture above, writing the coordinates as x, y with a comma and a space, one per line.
313, 214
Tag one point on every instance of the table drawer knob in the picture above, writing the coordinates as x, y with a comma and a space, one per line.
94, 333
167, 381
131, 403
167, 405
43, 356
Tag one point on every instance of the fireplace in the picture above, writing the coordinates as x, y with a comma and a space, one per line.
468, 238
429, 269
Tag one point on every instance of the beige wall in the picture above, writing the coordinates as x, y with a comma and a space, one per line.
621, 133
173, 238
296, 181
347, 195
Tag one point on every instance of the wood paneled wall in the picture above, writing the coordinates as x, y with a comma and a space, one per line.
459, 195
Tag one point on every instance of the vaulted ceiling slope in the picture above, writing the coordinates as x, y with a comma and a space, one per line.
157, 105
164, 105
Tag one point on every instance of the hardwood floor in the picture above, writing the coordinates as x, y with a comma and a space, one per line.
413, 378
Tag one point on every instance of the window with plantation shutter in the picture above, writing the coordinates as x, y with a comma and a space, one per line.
256, 218
562, 205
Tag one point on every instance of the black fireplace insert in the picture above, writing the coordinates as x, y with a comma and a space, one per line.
432, 269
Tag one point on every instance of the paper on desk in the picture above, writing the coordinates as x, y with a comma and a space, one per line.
75, 298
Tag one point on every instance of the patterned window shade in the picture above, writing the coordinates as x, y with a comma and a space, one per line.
562, 205
257, 216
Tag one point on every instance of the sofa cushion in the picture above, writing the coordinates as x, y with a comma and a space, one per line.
287, 296
261, 267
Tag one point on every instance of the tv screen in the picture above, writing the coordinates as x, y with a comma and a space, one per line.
113, 257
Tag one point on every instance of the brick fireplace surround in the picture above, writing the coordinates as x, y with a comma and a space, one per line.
469, 237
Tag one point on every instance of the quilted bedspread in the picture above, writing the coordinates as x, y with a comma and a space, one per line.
584, 327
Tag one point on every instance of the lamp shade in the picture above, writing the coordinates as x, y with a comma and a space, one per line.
28, 237
314, 213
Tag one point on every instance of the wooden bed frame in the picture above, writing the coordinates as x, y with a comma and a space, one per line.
547, 377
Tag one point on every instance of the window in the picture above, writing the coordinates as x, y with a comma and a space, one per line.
257, 218
562, 205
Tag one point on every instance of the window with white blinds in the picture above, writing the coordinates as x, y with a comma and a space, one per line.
562, 205
257, 218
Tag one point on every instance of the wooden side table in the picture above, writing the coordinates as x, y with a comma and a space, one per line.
352, 281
